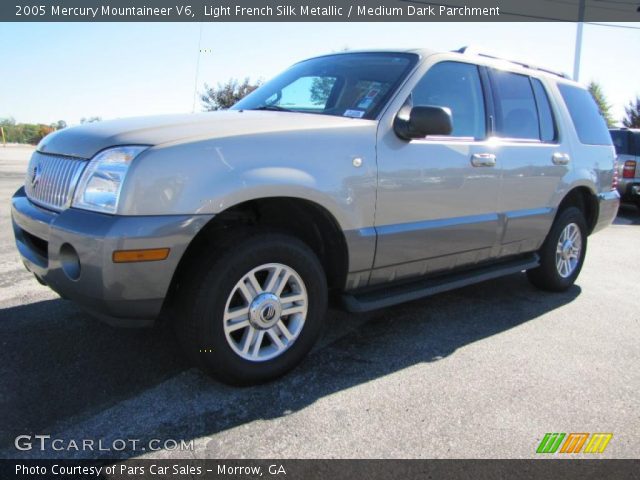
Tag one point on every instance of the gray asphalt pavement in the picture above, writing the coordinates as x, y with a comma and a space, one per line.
480, 372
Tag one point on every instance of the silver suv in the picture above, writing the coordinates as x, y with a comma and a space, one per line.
627, 144
380, 177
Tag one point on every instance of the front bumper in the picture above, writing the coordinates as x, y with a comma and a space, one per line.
608, 204
129, 294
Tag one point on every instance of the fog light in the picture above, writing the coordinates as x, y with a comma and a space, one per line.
70, 261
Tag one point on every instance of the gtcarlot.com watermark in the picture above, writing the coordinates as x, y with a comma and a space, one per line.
47, 443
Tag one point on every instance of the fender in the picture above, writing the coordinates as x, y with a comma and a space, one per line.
212, 175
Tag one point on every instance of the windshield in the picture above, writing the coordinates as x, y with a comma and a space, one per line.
353, 85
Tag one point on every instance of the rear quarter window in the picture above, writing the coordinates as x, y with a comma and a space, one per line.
590, 126
620, 141
635, 143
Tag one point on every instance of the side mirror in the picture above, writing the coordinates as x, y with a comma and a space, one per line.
420, 121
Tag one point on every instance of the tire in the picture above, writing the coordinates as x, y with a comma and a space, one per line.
224, 314
561, 260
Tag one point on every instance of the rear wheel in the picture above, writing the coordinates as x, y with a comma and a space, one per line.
252, 311
563, 252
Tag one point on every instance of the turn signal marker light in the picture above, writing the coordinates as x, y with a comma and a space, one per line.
145, 255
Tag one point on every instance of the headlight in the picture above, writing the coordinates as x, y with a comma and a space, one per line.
101, 182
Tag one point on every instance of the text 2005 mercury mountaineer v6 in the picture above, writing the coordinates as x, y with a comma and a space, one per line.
376, 177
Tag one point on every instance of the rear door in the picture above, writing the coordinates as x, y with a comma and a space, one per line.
533, 158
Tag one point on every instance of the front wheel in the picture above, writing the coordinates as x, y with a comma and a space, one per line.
253, 310
562, 254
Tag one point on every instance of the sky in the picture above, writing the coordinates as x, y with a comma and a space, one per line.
66, 71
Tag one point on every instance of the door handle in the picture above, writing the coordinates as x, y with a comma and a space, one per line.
560, 158
483, 160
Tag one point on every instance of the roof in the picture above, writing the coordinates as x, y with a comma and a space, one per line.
469, 52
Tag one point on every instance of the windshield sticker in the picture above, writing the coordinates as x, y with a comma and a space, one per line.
368, 98
353, 113
365, 103
372, 93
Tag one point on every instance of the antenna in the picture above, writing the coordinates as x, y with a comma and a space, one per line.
195, 81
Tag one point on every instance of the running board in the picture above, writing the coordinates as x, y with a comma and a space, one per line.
387, 296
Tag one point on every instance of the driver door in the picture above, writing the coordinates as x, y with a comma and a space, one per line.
437, 204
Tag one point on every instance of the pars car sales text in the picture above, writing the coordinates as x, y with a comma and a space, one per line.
97, 471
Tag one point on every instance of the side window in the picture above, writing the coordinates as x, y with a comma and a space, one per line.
456, 86
516, 110
547, 123
590, 126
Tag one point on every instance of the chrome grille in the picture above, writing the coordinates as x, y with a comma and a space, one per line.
51, 179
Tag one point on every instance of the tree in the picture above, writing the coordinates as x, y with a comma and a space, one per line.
24, 132
605, 109
226, 95
321, 89
43, 131
7, 122
59, 125
90, 119
632, 114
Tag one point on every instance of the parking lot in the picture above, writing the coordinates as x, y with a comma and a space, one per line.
484, 371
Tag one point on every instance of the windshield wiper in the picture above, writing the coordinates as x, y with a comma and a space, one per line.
275, 108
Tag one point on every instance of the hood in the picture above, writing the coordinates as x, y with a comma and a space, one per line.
86, 140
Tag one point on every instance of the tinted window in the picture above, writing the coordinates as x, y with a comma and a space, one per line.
545, 115
620, 141
352, 85
456, 86
590, 125
516, 110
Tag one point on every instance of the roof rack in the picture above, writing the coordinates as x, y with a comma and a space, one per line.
470, 50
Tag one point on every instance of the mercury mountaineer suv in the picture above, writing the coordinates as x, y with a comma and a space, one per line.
373, 177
